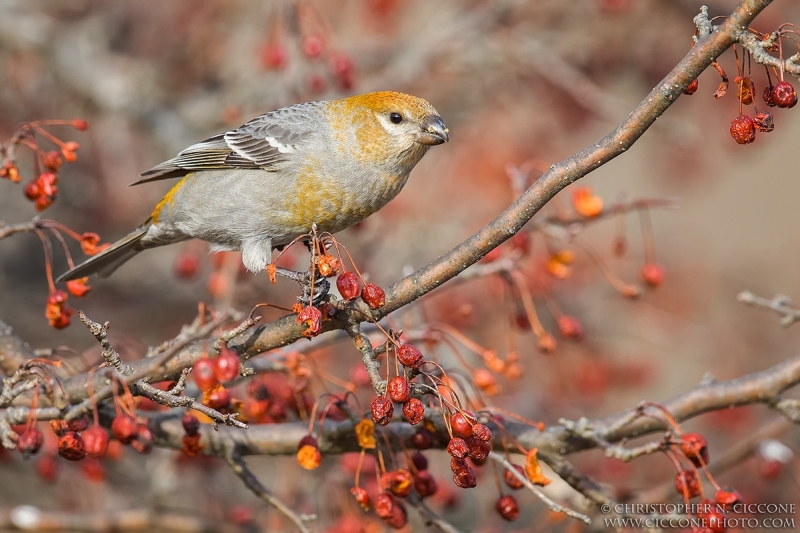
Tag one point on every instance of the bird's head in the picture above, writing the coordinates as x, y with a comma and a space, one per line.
394, 127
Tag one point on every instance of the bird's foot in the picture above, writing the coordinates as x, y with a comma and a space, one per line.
321, 286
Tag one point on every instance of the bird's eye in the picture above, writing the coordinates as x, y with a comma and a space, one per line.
396, 118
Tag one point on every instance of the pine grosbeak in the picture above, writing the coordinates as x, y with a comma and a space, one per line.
264, 184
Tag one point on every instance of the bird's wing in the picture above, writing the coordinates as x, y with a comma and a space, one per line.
263, 143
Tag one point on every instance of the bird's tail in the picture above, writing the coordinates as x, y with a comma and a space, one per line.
107, 261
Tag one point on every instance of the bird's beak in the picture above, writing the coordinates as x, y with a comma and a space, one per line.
434, 132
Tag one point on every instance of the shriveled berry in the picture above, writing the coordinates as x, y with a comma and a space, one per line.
398, 482
124, 428
191, 445
143, 443
695, 447
71, 447
204, 375
398, 389
465, 478
96, 441
746, 89
191, 425
373, 296
653, 274
457, 448
481, 432
410, 356
507, 506
399, 518
716, 522
384, 503
768, 96
348, 285
423, 439
309, 457
763, 122
226, 366
30, 441
457, 463
425, 483
511, 480
728, 498
461, 424
419, 460
59, 426
382, 410
414, 411
783, 95
478, 449
692, 87
743, 129
687, 484
219, 398
361, 497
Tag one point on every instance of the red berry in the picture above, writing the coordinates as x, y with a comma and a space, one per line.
31, 191
783, 95
93, 469
465, 478
398, 482
361, 497
373, 296
507, 506
419, 460
226, 366
457, 463
728, 498
425, 483
96, 441
422, 439
30, 441
687, 484
653, 274
457, 448
80, 124
768, 96
398, 389
219, 398
204, 375
511, 480
143, 443
570, 327
348, 285
273, 56
410, 356
692, 87
308, 440
124, 428
382, 410
743, 129
313, 45
47, 468
716, 522
695, 447
191, 425
186, 265
478, 449
384, 503
399, 518
414, 411
763, 122
482, 432
71, 447
461, 424
52, 160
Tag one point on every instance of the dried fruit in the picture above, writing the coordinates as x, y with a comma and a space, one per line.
365, 434
398, 389
482, 432
226, 366
204, 374
465, 478
461, 423
143, 443
692, 87
373, 296
190, 423
309, 457
425, 483
743, 129
511, 480
687, 484
348, 285
653, 274
79, 287
384, 503
328, 265
695, 447
585, 203
767, 95
90, 244
361, 497
533, 470
763, 122
124, 428
507, 506
409, 356
71, 447
457, 448
382, 410
478, 449
746, 89
413, 411
398, 482
95, 439
30, 441
728, 498
312, 318
783, 95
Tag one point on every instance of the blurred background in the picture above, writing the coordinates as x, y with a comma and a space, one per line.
519, 83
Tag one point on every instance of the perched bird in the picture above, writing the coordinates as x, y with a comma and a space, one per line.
262, 185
